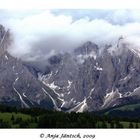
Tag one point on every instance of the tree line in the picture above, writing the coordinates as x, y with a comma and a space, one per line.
43, 118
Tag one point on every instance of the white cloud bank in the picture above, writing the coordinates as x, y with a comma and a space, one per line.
38, 34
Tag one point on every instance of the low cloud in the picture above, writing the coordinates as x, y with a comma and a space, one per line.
41, 33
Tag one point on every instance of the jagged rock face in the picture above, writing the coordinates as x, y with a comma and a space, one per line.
17, 85
87, 48
5, 39
89, 80
74, 76
2, 31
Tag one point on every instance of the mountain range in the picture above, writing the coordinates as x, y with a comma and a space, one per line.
89, 78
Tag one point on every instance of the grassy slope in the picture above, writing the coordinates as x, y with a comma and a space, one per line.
131, 107
6, 117
128, 109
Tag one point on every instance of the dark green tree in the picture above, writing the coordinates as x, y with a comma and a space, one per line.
131, 125
112, 125
12, 118
118, 124
136, 125
104, 125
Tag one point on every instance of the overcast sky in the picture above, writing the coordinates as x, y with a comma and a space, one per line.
39, 34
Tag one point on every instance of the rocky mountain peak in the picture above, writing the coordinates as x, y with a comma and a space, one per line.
2, 31
5, 39
83, 80
87, 48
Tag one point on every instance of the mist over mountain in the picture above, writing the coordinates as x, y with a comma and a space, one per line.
70, 61
39, 34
